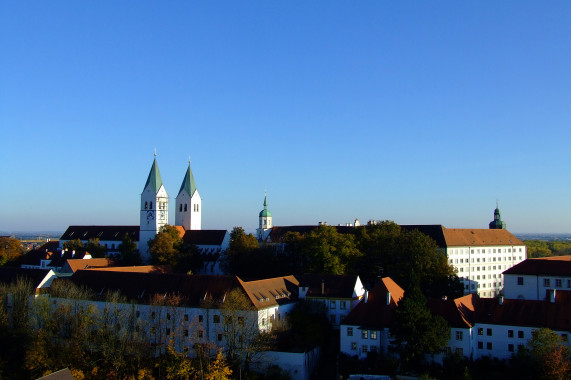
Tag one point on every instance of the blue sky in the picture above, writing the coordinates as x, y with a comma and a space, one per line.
417, 112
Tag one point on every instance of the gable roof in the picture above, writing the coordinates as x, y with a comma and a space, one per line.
10, 275
205, 237
154, 179
194, 290
554, 266
103, 233
374, 312
457, 237
334, 286
458, 313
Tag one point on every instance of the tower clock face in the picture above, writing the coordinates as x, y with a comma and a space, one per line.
162, 215
150, 215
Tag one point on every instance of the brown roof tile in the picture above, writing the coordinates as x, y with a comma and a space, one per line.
163, 269
456, 237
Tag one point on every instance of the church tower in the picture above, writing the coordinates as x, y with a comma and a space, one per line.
265, 219
497, 223
188, 204
154, 209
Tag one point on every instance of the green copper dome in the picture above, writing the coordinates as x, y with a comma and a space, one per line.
265, 212
154, 178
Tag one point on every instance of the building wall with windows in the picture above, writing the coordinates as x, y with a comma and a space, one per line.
359, 341
534, 278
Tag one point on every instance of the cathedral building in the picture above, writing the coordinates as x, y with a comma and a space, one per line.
154, 214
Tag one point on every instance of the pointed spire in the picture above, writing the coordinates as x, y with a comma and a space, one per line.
265, 212
265, 200
154, 179
188, 183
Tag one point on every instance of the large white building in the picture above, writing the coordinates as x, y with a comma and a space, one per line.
538, 279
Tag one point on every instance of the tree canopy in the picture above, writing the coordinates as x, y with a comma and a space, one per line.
10, 250
168, 247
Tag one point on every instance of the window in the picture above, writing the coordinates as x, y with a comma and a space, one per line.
510, 347
180, 208
520, 280
459, 351
241, 320
186, 317
569, 283
153, 315
219, 337
216, 319
489, 345
459, 335
168, 331
480, 331
263, 321
520, 347
564, 337
332, 304
365, 349
349, 331
546, 282
558, 283
185, 209
374, 334
489, 332
342, 305
373, 348
353, 345
185, 332
200, 318
520, 334
365, 334
510, 333
480, 345
168, 317
200, 333
137, 314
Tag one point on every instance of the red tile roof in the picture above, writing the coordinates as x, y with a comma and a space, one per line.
77, 264
458, 313
554, 266
162, 269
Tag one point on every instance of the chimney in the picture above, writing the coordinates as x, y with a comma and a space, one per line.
388, 298
366, 297
552, 294
501, 299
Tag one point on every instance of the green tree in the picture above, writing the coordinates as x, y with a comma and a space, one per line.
129, 253
418, 331
10, 250
327, 251
239, 255
74, 245
168, 247
95, 249
549, 352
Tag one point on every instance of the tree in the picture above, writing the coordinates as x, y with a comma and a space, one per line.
10, 250
167, 247
417, 331
239, 255
548, 350
129, 253
95, 249
74, 245
327, 251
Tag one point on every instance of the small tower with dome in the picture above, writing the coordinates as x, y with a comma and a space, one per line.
265, 219
497, 223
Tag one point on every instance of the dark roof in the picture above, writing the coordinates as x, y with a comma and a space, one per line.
204, 237
334, 286
278, 233
60, 258
193, 289
435, 231
52, 245
458, 313
103, 233
33, 257
9, 275
553, 266
375, 313
529, 313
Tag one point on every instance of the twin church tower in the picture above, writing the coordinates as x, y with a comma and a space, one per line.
155, 206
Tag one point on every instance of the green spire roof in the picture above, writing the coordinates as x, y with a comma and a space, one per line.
154, 178
265, 211
188, 183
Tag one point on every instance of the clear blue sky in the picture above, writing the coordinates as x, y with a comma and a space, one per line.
417, 112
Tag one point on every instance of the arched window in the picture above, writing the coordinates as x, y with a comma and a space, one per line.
180, 209
146, 205
196, 208
185, 208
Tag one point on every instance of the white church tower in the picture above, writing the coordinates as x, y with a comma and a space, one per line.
188, 204
154, 209
265, 219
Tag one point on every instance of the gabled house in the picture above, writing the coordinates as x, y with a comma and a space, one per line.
39, 278
366, 328
339, 293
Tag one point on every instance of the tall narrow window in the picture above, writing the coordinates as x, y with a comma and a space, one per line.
150, 205
180, 208
184, 207
146, 205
